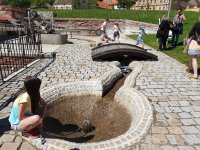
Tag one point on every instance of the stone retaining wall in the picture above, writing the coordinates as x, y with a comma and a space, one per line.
127, 26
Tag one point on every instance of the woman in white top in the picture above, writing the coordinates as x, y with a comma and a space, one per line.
103, 27
178, 27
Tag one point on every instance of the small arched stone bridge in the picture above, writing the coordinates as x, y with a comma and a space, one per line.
116, 50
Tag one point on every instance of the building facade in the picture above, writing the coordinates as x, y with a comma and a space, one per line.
69, 4
163, 4
108, 4
151, 5
63, 4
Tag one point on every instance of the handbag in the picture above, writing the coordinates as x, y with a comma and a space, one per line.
187, 42
160, 33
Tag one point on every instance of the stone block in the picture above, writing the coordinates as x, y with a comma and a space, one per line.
10, 146
54, 39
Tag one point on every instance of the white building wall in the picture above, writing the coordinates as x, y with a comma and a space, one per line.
62, 6
153, 5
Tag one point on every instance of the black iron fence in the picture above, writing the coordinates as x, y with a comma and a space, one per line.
18, 48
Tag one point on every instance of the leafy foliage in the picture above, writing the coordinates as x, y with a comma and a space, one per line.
88, 4
50, 2
42, 3
39, 3
19, 3
126, 4
76, 4
95, 3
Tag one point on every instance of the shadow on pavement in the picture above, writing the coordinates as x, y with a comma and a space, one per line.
4, 125
68, 132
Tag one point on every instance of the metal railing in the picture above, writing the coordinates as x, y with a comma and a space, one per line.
18, 48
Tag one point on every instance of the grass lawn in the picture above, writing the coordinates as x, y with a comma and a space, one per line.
141, 15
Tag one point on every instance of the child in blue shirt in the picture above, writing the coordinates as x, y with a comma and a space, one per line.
139, 38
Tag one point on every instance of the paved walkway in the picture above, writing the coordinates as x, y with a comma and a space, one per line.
174, 97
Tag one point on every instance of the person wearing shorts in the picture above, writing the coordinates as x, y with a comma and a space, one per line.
29, 109
116, 32
194, 51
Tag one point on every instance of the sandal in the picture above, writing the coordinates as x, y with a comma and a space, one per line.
193, 77
33, 133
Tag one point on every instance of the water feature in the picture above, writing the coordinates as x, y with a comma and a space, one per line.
118, 120
109, 119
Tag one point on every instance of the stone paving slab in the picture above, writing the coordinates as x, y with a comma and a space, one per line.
174, 97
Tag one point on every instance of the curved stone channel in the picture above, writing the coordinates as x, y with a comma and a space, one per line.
129, 98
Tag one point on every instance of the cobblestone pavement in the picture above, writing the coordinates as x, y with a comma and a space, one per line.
174, 97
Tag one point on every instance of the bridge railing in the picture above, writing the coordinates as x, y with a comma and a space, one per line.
18, 48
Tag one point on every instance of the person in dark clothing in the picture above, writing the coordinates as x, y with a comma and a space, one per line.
194, 51
163, 32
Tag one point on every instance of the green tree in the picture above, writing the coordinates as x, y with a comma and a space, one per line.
126, 4
76, 4
40, 3
95, 3
130, 3
88, 4
43, 3
19, 3
50, 2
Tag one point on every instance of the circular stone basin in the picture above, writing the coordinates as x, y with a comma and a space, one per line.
109, 119
118, 124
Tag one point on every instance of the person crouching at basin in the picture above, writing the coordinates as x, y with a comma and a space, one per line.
29, 109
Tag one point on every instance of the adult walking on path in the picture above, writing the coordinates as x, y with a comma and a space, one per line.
178, 27
194, 51
163, 32
103, 27
104, 32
